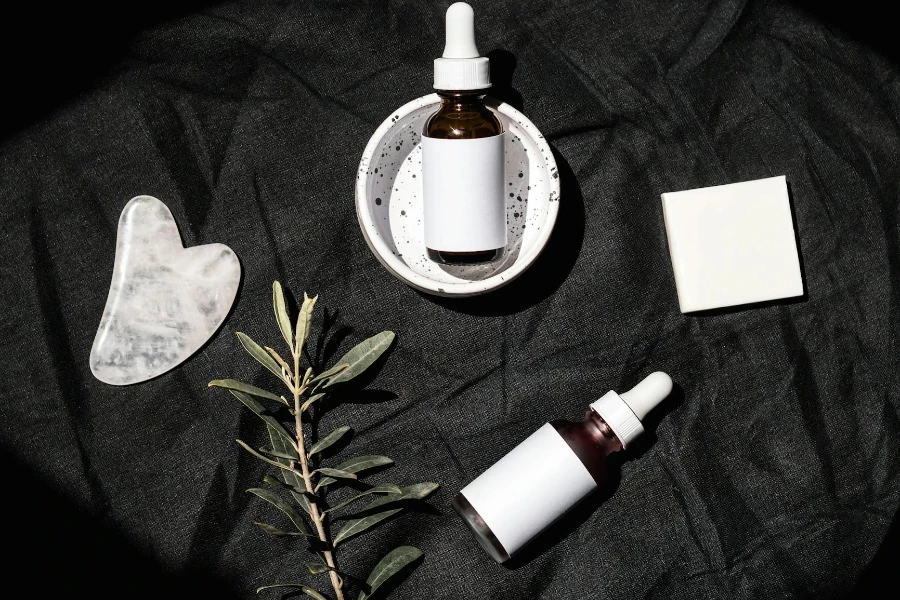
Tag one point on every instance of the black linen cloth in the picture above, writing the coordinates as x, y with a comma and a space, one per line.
772, 472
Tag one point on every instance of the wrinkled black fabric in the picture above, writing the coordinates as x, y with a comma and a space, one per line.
771, 473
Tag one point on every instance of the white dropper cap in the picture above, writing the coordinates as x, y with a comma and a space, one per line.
462, 67
624, 413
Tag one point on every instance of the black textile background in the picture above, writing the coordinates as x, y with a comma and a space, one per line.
771, 473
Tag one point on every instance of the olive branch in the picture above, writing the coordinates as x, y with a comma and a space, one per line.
298, 459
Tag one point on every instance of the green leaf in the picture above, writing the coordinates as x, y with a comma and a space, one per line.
276, 454
281, 445
265, 459
307, 375
303, 501
357, 526
272, 480
362, 356
286, 368
389, 566
261, 356
263, 413
335, 473
418, 491
294, 490
317, 568
233, 384
303, 321
279, 503
297, 586
274, 531
281, 315
292, 479
310, 402
329, 439
379, 489
357, 465
325, 375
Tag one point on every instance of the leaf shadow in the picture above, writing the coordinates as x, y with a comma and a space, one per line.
331, 335
366, 396
353, 392
209, 538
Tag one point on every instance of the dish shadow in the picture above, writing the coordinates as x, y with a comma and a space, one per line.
583, 511
548, 271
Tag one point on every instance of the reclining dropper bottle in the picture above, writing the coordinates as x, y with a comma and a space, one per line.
462, 155
527, 490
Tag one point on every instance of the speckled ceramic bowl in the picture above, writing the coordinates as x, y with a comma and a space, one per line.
389, 202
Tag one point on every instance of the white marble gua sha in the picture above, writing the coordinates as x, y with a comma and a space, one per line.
165, 301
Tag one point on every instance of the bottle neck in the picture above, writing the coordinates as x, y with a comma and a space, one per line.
601, 432
461, 99
592, 440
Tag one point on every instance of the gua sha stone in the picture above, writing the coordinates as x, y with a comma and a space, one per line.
165, 301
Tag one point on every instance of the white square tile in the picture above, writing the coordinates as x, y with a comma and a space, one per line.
732, 244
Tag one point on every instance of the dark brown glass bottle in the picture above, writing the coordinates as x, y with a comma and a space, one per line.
559, 465
592, 441
463, 115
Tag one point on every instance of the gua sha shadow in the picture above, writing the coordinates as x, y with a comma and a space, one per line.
165, 301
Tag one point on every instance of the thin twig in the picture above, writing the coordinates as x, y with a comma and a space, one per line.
317, 517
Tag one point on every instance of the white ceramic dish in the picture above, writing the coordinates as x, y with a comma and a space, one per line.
389, 202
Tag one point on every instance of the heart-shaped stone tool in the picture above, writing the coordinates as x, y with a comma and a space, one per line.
165, 301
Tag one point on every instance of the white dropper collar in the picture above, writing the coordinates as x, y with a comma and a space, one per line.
462, 67
624, 413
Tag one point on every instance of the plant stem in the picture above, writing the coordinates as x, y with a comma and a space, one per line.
317, 517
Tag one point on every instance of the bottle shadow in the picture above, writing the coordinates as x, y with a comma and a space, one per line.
503, 65
549, 270
581, 512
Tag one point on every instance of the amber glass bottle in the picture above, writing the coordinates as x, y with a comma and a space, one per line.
591, 440
463, 116
463, 155
559, 465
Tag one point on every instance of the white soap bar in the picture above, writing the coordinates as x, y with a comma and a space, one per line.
732, 244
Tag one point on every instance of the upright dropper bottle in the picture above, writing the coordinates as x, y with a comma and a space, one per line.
462, 155
527, 490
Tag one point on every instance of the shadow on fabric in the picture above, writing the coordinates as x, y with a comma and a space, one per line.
872, 24
54, 54
55, 543
881, 573
503, 65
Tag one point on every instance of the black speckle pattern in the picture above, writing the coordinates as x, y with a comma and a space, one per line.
392, 181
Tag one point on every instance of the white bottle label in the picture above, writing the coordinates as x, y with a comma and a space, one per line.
465, 210
529, 488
